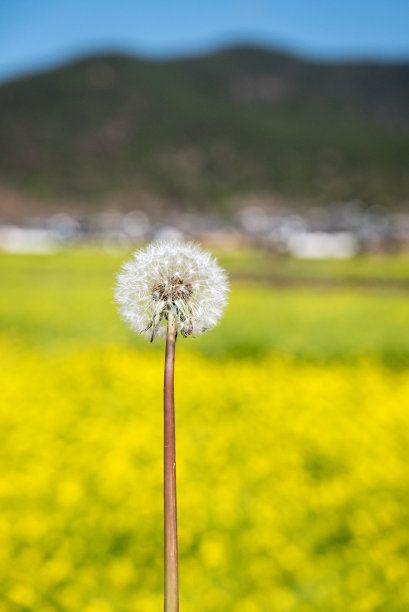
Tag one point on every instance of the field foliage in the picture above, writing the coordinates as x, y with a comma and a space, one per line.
292, 437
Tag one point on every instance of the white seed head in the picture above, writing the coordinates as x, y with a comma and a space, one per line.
171, 278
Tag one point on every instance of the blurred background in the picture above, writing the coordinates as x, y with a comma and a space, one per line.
277, 135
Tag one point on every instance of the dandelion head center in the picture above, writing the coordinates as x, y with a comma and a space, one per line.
171, 289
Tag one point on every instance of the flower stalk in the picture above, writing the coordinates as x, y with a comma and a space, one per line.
170, 510
164, 289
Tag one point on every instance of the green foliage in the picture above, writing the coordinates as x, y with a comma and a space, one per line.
382, 270
67, 298
200, 131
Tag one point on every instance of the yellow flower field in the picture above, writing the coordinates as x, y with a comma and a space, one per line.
292, 437
293, 482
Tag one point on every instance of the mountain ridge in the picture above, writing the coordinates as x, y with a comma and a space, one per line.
197, 132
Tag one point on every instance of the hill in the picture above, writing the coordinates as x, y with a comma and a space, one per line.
202, 131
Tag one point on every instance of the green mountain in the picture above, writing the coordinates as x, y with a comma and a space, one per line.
202, 131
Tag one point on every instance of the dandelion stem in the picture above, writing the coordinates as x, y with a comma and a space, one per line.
171, 542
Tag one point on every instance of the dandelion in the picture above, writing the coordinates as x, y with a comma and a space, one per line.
171, 281
168, 288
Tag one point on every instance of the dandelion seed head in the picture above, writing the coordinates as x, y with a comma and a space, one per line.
171, 278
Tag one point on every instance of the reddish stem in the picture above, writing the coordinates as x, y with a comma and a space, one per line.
171, 542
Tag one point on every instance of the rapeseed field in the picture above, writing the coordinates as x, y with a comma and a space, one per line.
292, 438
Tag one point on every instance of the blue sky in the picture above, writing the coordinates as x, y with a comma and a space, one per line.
36, 34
